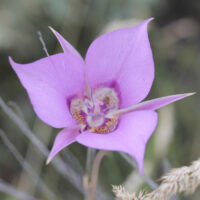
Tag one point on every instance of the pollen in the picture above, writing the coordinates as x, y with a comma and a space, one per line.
92, 112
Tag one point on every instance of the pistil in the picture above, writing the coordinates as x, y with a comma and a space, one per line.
91, 112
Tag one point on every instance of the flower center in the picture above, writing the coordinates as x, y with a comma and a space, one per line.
91, 113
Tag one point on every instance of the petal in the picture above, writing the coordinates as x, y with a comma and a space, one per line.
125, 57
63, 139
153, 104
50, 82
66, 46
131, 136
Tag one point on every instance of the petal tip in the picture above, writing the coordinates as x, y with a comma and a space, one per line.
190, 94
49, 159
151, 18
148, 20
10, 59
66, 46
52, 30
12, 62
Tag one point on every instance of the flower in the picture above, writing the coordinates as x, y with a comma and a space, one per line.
97, 101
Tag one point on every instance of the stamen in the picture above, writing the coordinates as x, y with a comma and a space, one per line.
106, 95
91, 112
97, 108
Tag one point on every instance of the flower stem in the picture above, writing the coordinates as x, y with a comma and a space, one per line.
94, 174
92, 170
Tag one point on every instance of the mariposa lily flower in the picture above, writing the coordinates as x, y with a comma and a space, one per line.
97, 101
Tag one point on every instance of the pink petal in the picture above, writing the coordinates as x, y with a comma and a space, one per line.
153, 104
67, 47
50, 82
131, 136
63, 139
125, 57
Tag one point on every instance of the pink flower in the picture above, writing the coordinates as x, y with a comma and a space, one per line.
97, 101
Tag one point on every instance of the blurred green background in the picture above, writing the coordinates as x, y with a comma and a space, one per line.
175, 41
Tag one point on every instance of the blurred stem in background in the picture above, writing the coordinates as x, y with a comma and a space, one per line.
62, 168
27, 167
89, 160
67, 171
88, 170
10, 190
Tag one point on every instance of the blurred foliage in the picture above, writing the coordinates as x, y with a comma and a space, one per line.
175, 41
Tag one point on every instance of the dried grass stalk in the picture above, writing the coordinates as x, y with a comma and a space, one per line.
122, 194
184, 179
